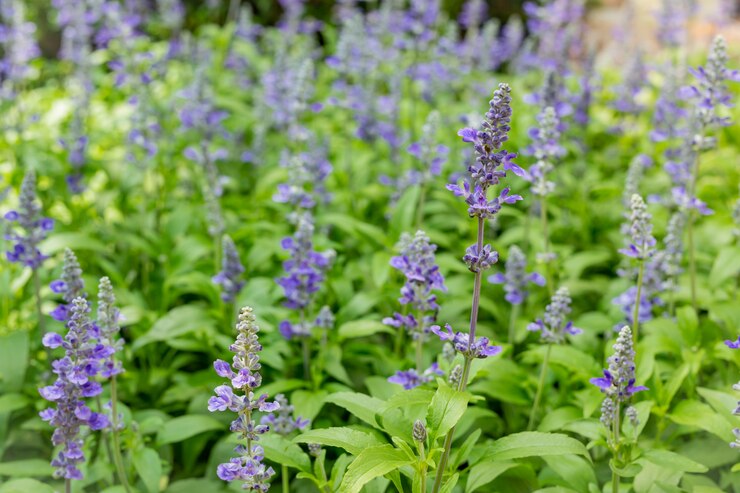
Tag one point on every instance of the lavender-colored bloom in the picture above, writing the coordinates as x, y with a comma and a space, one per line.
282, 421
418, 264
244, 378
19, 47
634, 80
733, 344
75, 373
109, 328
29, 227
642, 242
306, 268
70, 286
635, 173
231, 271
410, 379
710, 92
555, 26
669, 116
583, 99
473, 13
480, 347
516, 279
307, 175
554, 326
671, 19
546, 149
618, 382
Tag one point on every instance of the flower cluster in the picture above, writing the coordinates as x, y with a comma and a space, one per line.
109, 328
231, 271
30, 226
70, 286
546, 149
307, 175
634, 80
282, 421
641, 246
305, 271
19, 48
245, 378
516, 279
479, 348
618, 382
410, 379
553, 327
75, 372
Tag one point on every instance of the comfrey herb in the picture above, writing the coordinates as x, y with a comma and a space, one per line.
244, 378
27, 227
70, 286
618, 384
231, 271
75, 372
553, 329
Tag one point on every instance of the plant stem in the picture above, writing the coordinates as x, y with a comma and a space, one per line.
108, 449
540, 388
615, 452
638, 299
515, 309
420, 205
419, 354
466, 367
692, 258
546, 239
68, 485
39, 313
285, 478
116, 438
422, 468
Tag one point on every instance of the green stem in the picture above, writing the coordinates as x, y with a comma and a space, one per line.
422, 467
515, 309
540, 388
39, 313
118, 459
692, 258
68, 485
615, 452
306, 350
420, 206
108, 449
419, 354
546, 239
636, 314
286, 479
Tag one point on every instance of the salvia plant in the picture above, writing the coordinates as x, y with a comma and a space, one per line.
200, 156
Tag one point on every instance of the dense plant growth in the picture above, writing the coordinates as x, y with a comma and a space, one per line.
394, 252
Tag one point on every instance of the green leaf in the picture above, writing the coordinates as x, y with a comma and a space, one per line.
445, 410
352, 440
281, 450
177, 322
28, 467
371, 463
13, 360
673, 461
75, 241
700, 415
534, 444
359, 405
184, 427
575, 470
362, 328
726, 265
484, 472
26, 486
196, 486
149, 468
12, 402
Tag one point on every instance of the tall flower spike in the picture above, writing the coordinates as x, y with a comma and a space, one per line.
546, 149
70, 285
29, 227
231, 271
554, 326
642, 242
75, 372
109, 328
516, 279
410, 379
244, 378
618, 382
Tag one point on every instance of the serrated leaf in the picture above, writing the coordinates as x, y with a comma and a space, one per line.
350, 439
281, 450
534, 444
371, 463
184, 427
445, 410
359, 405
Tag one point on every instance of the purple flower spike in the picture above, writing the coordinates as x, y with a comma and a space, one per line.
478, 349
248, 467
410, 379
282, 421
231, 271
516, 279
553, 327
28, 228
